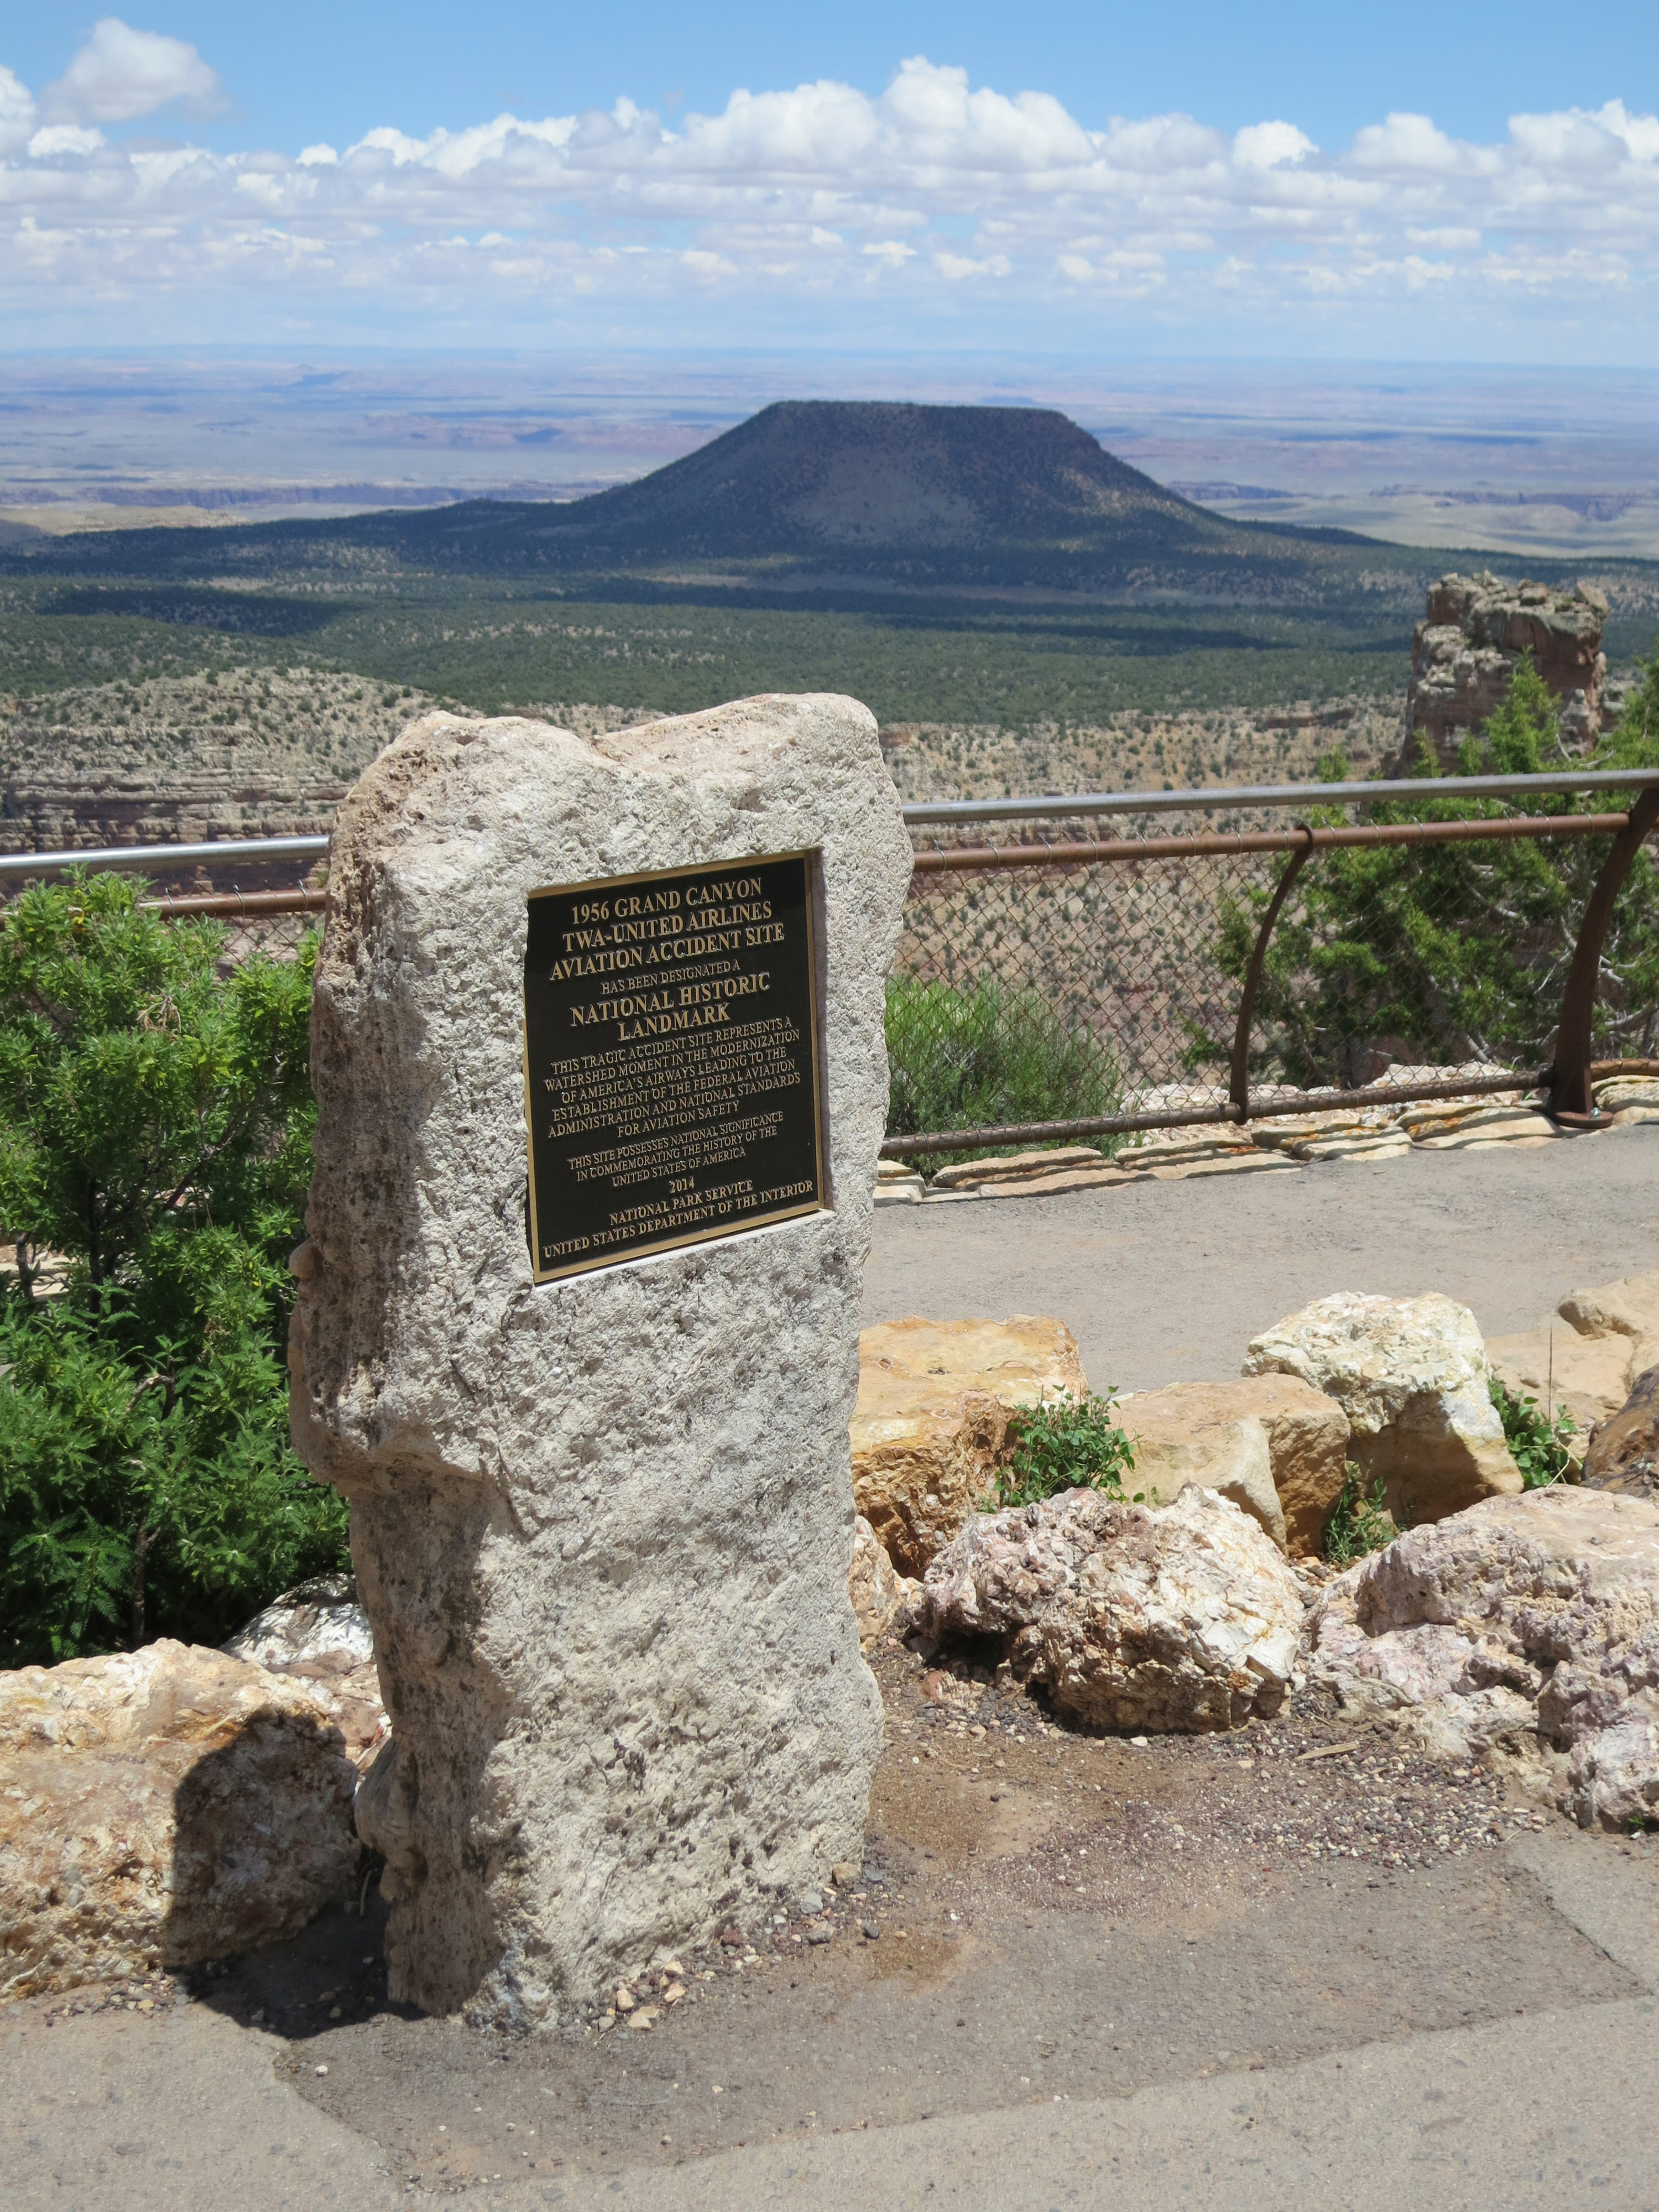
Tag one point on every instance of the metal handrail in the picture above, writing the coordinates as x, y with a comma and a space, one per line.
1263, 1104
1063, 806
1568, 1081
1066, 806
964, 859
165, 856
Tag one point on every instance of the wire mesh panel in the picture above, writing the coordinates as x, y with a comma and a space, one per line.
1098, 979
279, 936
1055, 992
274, 924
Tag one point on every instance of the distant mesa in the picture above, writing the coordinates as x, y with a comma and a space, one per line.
811, 475
870, 487
816, 494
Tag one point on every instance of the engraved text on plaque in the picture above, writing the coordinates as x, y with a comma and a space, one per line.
670, 1060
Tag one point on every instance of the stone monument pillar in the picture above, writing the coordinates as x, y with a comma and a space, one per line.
597, 1049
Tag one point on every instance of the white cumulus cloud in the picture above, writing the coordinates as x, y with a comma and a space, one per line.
17, 113
121, 74
1264, 145
54, 139
953, 199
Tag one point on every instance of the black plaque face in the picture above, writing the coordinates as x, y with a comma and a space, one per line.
671, 1060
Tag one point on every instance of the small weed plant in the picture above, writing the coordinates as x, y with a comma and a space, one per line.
1066, 1443
1538, 1445
1359, 1522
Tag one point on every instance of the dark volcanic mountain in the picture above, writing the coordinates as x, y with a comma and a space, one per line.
824, 477
857, 487
806, 493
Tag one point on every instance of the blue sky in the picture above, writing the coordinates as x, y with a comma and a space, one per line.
1418, 182
306, 69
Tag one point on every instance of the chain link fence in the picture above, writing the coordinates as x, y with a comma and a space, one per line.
1069, 975
1063, 989
276, 924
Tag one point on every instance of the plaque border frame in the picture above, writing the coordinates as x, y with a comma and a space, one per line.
813, 857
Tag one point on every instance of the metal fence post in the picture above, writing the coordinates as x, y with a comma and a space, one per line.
1572, 1096
1239, 1086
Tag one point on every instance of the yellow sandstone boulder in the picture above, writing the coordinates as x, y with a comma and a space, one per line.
1274, 1444
1588, 1355
931, 1426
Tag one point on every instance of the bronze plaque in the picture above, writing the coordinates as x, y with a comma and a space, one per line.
670, 1060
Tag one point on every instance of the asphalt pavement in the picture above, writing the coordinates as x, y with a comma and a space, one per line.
1167, 1282
1553, 2108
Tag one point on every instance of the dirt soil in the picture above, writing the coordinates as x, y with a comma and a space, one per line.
1041, 1914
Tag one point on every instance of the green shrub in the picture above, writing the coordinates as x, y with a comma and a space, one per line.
156, 1119
985, 1055
1358, 1522
1066, 1443
1537, 1445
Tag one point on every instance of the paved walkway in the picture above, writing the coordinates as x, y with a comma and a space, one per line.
1550, 2109
1168, 1282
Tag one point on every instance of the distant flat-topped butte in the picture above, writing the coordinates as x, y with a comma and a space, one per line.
876, 490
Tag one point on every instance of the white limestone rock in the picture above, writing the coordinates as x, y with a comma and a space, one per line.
1181, 1619
320, 1632
882, 1597
1523, 1625
161, 1806
1412, 1377
603, 1526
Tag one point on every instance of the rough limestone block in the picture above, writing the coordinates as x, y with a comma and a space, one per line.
931, 1426
1182, 1617
161, 1806
1018, 1167
1275, 1446
1528, 1625
602, 1526
1411, 1375
1064, 1179
1253, 1161
1385, 1145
